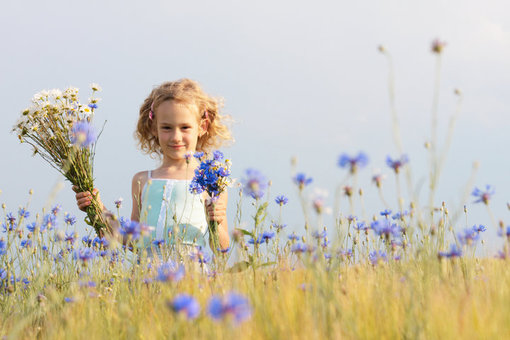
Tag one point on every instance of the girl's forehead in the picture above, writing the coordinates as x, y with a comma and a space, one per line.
173, 109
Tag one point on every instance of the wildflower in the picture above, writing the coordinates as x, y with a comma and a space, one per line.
454, 252
26, 243
385, 213
233, 305
218, 155
253, 241
70, 237
385, 228
267, 235
319, 234
100, 243
400, 215
319, 200
69, 219
361, 226
199, 255
56, 209
49, 222
84, 254
3, 247
82, 134
397, 163
169, 271
187, 156
95, 87
159, 242
10, 219
185, 304
32, 227
129, 228
437, 46
347, 190
377, 179
69, 299
298, 248
301, 180
505, 233
480, 228
354, 163
198, 155
375, 257
87, 241
92, 105
255, 183
278, 227
293, 237
118, 203
23, 213
281, 200
483, 196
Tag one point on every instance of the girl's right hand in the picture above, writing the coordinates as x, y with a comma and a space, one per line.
84, 199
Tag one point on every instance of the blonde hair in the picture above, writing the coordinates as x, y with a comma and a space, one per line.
189, 92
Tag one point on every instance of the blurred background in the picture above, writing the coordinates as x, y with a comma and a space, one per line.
300, 79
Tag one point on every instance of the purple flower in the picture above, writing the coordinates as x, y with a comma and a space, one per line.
218, 155
233, 304
483, 196
199, 255
255, 183
26, 243
301, 180
354, 163
294, 237
185, 304
385, 213
281, 200
169, 271
23, 213
83, 134
299, 248
361, 226
454, 252
84, 254
130, 228
375, 257
319, 234
267, 235
385, 228
279, 227
69, 219
397, 163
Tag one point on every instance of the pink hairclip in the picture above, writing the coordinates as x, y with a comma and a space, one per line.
151, 112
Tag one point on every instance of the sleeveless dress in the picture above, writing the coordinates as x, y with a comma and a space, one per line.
173, 211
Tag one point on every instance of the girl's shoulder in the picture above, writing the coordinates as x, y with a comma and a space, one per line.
139, 180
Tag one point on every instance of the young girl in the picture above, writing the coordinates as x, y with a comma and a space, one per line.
176, 120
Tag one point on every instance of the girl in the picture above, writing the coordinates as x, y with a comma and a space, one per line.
176, 120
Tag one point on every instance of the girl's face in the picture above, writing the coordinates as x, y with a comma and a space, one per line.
177, 128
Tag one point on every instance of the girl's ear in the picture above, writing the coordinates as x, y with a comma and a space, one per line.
204, 125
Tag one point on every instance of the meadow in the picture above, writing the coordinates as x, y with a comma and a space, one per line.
411, 271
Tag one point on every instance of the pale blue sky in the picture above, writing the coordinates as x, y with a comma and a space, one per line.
300, 79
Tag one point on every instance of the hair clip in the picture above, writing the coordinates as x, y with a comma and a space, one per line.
151, 114
206, 114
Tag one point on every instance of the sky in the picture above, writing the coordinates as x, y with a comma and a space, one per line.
300, 79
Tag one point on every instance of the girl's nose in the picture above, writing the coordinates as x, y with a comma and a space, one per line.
176, 137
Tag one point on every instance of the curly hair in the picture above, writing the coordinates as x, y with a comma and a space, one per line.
189, 92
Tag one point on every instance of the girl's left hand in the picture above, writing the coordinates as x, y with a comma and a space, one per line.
216, 211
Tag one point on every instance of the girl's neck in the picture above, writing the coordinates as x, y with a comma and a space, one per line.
176, 169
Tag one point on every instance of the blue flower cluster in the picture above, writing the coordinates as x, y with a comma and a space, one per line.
255, 184
354, 163
212, 175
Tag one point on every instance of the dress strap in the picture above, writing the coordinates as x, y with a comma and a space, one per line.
149, 174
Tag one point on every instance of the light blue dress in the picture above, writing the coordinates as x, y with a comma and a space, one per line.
173, 211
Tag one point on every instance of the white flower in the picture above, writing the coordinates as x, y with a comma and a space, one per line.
56, 93
318, 199
95, 87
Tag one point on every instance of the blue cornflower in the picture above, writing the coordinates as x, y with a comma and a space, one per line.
100, 243
343, 253
385, 228
8, 227
3, 274
505, 232
399, 215
32, 227
294, 237
454, 252
195, 188
258, 241
233, 304
92, 105
130, 228
159, 242
186, 304
56, 209
3, 247
255, 183
483, 196
26, 243
198, 155
84, 254
69, 299
83, 134
397, 163
375, 257
301, 180
87, 241
10, 218
480, 228
70, 237
49, 222
281, 200
299, 248
385, 213
319, 234
267, 235
354, 163
199, 255
361, 226
218, 155
23, 213
69, 219
278, 227
169, 271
